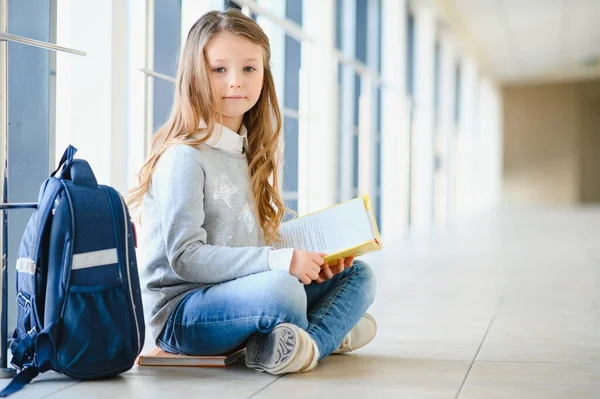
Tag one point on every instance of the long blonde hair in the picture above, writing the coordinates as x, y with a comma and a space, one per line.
195, 100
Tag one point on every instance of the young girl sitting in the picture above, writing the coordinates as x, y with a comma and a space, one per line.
211, 211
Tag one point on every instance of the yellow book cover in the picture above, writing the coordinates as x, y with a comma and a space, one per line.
346, 229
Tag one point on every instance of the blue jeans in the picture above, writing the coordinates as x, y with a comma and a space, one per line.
219, 318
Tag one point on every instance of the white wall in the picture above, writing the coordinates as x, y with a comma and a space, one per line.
544, 127
136, 81
395, 120
422, 137
91, 107
318, 142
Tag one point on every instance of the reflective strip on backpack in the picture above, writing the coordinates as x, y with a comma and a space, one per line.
95, 258
26, 265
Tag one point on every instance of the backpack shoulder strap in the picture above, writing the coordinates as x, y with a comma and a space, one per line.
35, 228
23, 346
19, 381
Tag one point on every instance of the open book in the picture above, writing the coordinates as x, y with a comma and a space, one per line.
343, 230
158, 357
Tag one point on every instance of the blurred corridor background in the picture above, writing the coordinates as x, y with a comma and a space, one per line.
473, 124
437, 109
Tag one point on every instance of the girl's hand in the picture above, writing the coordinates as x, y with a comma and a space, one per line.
306, 265
328, 272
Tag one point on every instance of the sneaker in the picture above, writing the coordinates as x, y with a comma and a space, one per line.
286, 349
361, 334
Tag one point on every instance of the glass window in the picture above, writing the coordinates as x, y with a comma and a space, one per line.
30, 114
293, 54
410, 57
360, 53
167, 40
338, 24
375, 62
410, 86
436, 81
232, 4
457, 92
349, 83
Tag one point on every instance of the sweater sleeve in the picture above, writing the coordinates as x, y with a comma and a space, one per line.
281, 259
178, 188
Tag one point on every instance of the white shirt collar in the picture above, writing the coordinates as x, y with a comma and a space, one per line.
226, 139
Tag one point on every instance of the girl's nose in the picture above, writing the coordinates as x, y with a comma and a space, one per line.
234, 80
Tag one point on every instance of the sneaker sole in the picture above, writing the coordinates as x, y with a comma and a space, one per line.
367, 316
272, 352
374, 323
372, 319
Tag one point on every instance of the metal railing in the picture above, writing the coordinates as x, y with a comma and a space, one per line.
37, 43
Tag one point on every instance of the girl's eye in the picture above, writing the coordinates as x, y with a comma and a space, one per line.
249, 69
219, 70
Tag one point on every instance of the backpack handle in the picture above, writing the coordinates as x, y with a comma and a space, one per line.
76, 170
65, 161
80, 172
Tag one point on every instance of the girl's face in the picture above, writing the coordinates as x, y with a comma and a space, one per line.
236, 72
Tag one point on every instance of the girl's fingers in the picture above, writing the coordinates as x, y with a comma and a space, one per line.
318, 258
312, 274
315, 267
338, 267
305, 280
326, 272
348, 262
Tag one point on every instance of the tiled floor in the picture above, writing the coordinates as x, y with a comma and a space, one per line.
502, 306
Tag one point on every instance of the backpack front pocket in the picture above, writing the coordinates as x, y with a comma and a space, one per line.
96, 331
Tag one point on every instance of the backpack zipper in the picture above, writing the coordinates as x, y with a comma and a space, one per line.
128, 273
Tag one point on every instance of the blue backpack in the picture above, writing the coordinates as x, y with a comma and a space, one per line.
79, 308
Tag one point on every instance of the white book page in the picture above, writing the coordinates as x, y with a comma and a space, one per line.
331, 230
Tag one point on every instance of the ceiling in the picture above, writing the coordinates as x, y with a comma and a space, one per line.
535, 40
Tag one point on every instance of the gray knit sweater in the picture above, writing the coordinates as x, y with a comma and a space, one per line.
199, 228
